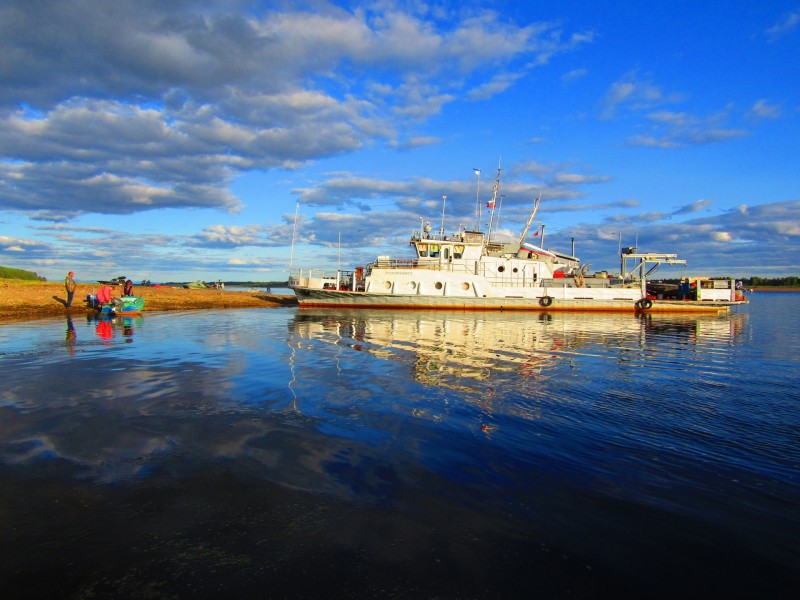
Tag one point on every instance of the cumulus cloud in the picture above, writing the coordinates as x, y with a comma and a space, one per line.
136, 105
666, 128
632, 93
232, 236
577, 178
693, 207
766, 234
721, 236
680, 129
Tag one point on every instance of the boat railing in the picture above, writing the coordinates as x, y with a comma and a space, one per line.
384, 262
303, 276
460, 236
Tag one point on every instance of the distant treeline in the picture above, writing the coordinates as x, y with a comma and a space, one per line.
9, 273
258, 284
752, 282
771, 281
247, 284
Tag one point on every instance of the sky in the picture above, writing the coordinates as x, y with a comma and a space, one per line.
183, 140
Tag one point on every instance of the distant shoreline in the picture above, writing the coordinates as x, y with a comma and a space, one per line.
29, 299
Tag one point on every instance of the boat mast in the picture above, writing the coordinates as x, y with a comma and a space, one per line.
478, 201
530, 218
493, 202
294, 234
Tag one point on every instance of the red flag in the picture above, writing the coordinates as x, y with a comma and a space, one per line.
536, 233
490, 204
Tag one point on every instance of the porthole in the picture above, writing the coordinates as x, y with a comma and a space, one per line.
438, 285
412, 285
387, 285
500, 269
515, 270
465, 286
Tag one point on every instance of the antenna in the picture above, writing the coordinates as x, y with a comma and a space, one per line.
444, 201
478, 201
294, 234
499, 206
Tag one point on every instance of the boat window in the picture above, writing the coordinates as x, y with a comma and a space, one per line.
446, 252
438, 285
434, 250
500, 269
423, 249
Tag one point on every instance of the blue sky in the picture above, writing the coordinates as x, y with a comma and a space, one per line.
176, 141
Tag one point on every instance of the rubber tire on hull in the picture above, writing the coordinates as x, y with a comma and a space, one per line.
546, 301
644, 303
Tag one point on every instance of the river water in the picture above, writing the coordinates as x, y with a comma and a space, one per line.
283, 453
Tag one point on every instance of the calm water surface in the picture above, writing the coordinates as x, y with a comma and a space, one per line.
285, 453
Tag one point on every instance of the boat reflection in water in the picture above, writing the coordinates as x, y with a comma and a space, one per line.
473, 345
528, 355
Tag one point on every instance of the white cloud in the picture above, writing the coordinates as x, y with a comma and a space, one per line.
694, 207
764, 110
680, 129
202, 93
574, 75
633, 94
785, 26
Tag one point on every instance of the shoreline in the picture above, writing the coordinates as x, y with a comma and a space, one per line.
22, 299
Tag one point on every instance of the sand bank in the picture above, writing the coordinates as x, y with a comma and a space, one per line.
24, 299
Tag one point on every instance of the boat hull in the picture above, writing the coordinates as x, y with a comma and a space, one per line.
544, 301
127, 305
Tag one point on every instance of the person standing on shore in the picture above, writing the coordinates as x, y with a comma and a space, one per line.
69, 285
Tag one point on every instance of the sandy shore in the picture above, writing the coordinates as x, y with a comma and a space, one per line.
28, 299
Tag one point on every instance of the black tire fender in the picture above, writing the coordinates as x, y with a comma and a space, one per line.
546, 300
644, 303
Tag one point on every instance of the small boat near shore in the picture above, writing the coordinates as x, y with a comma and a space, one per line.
105, 305
468, 270
126, 305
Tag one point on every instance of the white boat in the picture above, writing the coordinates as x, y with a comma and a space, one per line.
469, 271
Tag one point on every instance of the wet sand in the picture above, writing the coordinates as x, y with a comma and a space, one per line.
29, 299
